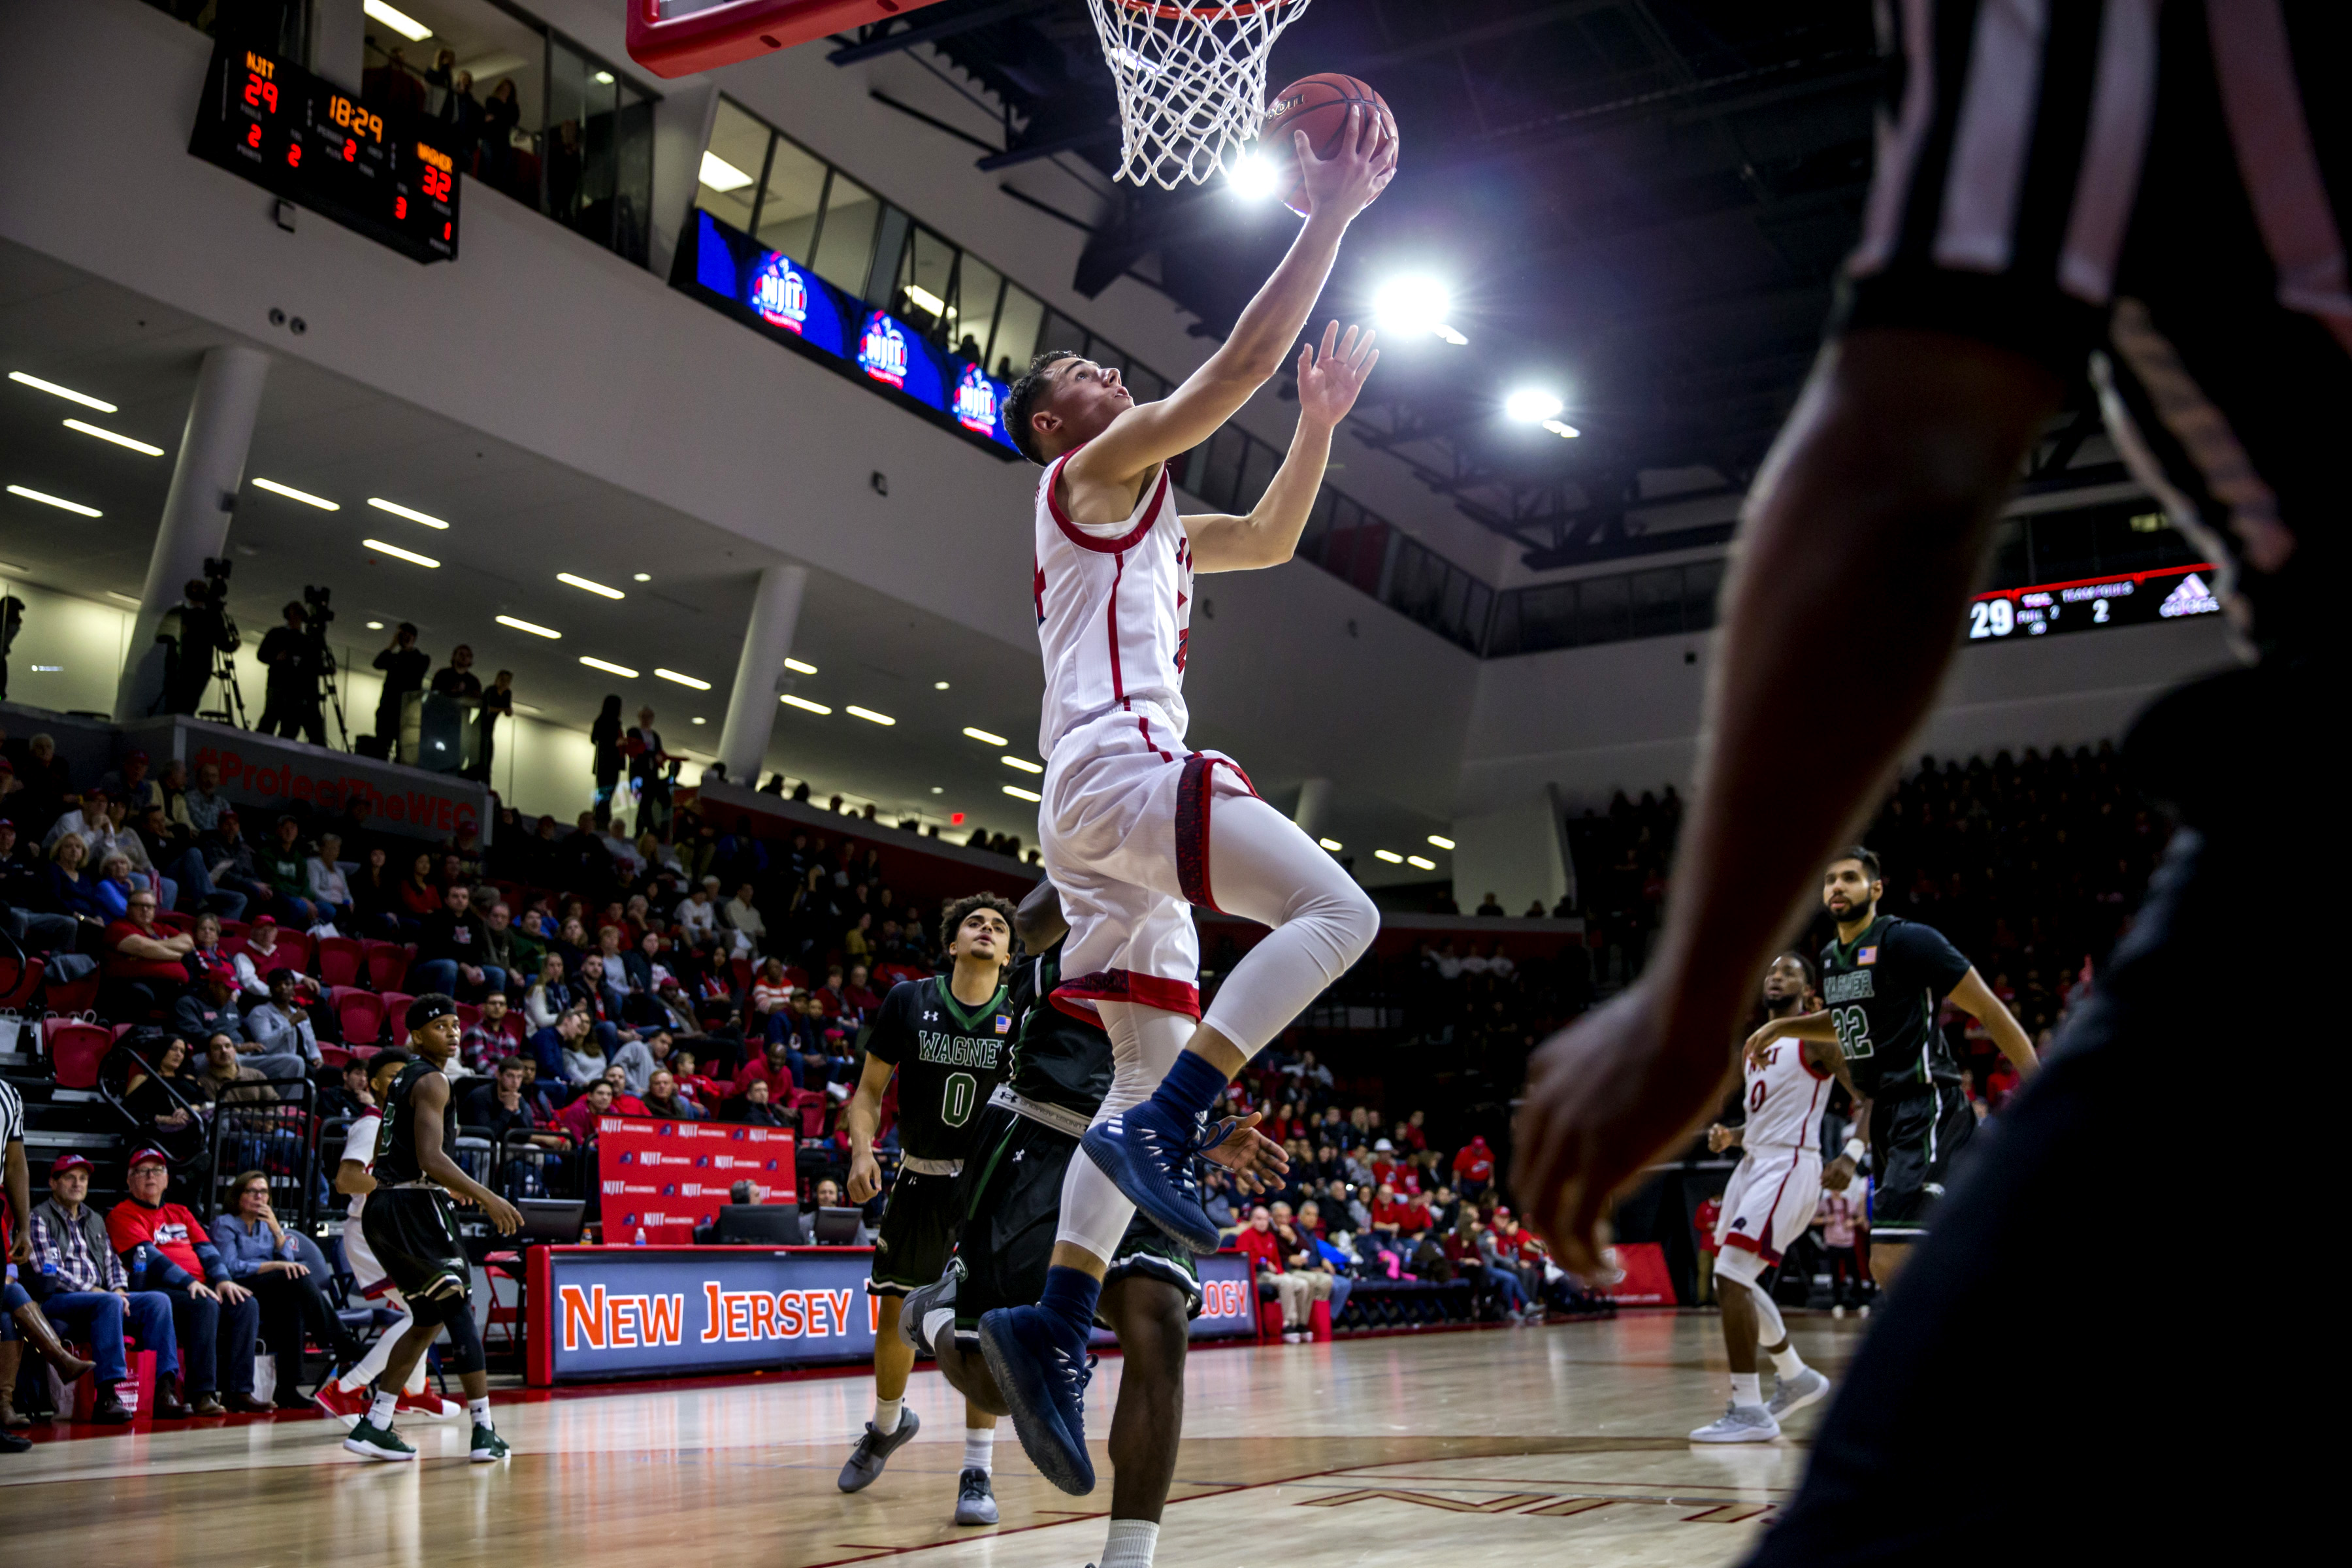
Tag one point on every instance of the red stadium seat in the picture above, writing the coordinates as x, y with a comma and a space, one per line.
171, 919
341, 960
293, 950
469, 1015
387, 964
75, 995
395, 1015
362, 1014
75, 1051
740, 968
233, 929
334, 1055
19, 982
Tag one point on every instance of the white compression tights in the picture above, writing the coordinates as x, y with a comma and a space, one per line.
1261, 868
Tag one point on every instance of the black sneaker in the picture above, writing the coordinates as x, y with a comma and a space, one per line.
874, 1450
920, 1304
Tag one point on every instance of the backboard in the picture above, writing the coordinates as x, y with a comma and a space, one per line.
678, 38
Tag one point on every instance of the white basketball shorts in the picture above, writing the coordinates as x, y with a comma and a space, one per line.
1767, 1206
1125, 824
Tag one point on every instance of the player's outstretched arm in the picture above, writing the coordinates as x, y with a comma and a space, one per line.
1268, 535
1974, 998
1339, 187
1878, 498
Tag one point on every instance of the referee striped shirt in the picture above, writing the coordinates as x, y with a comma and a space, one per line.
2156, 192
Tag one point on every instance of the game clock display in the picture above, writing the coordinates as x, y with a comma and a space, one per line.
388, 175
2093, 603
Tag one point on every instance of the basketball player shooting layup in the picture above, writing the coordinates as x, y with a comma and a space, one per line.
1785, 1087
1127, 813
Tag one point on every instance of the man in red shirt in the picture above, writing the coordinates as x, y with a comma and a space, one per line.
1473, 1168
1295, 1291
164, 1247
142, 960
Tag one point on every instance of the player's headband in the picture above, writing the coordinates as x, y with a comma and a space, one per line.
425, 1009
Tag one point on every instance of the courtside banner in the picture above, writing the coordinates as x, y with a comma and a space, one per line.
666, 1177
1228, 1305
599, 1312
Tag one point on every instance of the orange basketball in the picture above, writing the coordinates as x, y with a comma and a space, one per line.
1318, 106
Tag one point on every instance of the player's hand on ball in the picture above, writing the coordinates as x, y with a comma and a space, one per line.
1344, 182
1329, 382
1601, 1100
865, 1178
1256, 1160
504, 1216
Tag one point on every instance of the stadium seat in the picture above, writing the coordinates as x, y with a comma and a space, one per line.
395, 1011
740, 969
387, 964
341, 960
361, 1013
334, 1056
469, 1015
233, 929
294, 950
20, 983
75, 1051
75, 995
172, 919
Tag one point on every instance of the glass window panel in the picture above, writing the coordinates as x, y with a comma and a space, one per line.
1657, 602
924, 281
1017, 327
570, 100
1548, 617
1702, 581
1147, 385
633, 173
1603, 606
846, 244
1227, 450
730, 183
790, 201
1504, 637
977, 287
1060, 334
1477, 610
1316, 533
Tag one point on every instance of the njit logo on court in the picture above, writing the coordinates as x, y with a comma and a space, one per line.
882, 351
780, 294
975, 401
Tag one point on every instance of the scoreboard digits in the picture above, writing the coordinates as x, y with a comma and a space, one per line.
307, 139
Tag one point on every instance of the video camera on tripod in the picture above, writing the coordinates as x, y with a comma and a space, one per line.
204, 643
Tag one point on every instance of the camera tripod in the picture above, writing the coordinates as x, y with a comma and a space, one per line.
330, 692
231, 710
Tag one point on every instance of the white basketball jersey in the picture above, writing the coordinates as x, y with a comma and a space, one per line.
1114, 613
1786, 1098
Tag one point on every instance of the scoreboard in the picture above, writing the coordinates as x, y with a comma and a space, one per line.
389, 176
2093, 603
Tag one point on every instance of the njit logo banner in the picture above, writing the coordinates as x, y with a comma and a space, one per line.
780, 294
882, 351
975, 401
645, 1158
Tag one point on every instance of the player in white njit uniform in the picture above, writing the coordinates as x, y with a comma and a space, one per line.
1135, 824
1768, 1203
344, 1395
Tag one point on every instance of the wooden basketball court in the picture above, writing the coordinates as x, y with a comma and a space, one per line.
1565, 1444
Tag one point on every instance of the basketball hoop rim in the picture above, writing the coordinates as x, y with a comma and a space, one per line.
1206, 11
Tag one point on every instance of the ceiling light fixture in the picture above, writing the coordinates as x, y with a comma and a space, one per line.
642, 578
682, 680
984, 737
722, 175
1424, 862
566, 577
602, 78
1443, 843
803, 704
1532, 405
397, 553
871, 716
1391, 856
937, 789
1333, 845
919, 295
623, 670
68, 392
375, 625
533, 627
1023, 763
939, 685
59, 501
409, 513
799, 666
290, 493
1017, 792
1255, 177
1415, 305
1565, 432
400, 22
140, 447
697, 717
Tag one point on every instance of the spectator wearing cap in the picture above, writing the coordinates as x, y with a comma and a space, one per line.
281, 1027
85, 1290
259, 959
146, 966
165, 1246
1473, 1168
210, 1006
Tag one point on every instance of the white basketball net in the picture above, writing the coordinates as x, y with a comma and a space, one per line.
1190, 79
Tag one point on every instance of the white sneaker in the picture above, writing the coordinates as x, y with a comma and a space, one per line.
1739, 1424
1293, 1337
1791, 1395
1838, 1311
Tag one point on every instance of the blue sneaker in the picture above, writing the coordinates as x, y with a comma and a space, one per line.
1149, 1152
1043, 1381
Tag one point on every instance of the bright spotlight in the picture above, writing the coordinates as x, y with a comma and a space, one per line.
1412, 305
1255, 177
1532, 405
